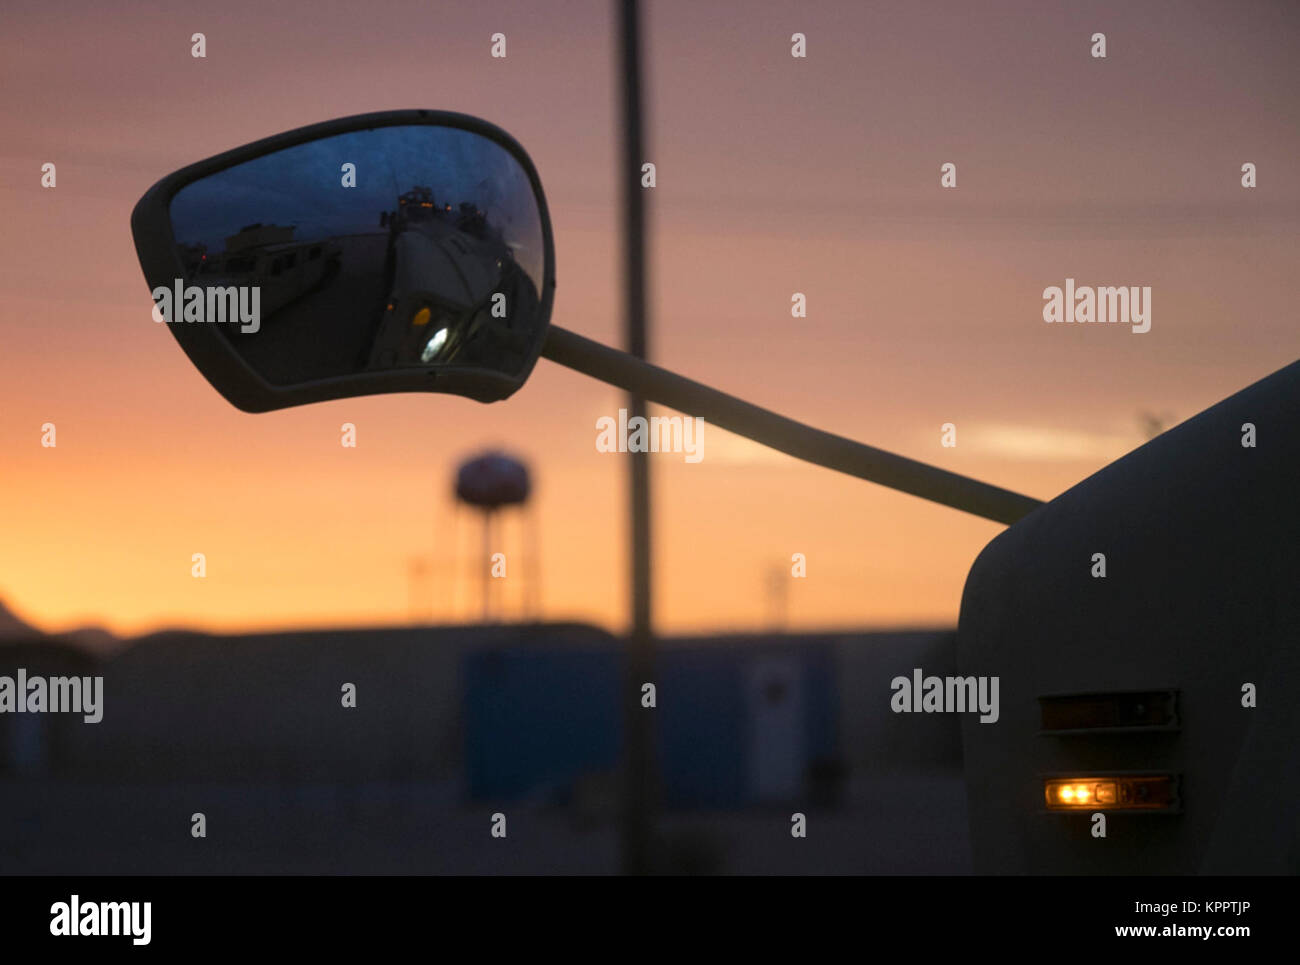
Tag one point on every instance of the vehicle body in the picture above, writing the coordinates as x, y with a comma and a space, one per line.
453, 286
1200, 529
283, 270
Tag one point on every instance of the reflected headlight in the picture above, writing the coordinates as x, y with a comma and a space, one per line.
434, 345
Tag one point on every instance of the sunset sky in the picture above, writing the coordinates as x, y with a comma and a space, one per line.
775, 175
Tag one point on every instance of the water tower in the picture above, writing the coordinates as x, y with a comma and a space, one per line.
489, 483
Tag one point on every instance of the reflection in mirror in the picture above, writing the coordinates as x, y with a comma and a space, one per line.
367, 251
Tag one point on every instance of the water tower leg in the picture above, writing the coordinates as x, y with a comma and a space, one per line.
486, 564
532, 590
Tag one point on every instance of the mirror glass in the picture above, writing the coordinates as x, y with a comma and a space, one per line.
395, 247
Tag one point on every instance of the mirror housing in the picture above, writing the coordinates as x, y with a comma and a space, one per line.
467, 253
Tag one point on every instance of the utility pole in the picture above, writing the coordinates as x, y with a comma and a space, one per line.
639, 785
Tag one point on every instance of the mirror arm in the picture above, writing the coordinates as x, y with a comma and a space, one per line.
785, 435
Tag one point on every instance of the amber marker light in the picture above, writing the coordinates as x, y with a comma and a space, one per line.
1119, 792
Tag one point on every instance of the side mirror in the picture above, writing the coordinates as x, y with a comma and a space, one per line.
405, 251
411, 251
